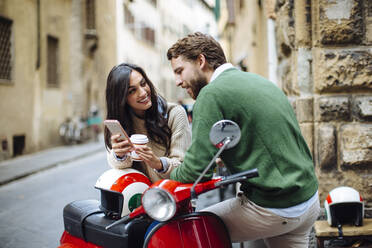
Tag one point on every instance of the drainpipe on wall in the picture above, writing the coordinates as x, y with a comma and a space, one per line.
120, 37
271, 43
38, 51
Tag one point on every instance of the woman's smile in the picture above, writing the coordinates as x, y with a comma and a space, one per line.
145, 100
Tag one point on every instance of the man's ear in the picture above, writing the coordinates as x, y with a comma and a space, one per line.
202, 62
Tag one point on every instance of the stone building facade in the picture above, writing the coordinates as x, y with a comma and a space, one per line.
53, 64
324, 66
328, 46
243, 34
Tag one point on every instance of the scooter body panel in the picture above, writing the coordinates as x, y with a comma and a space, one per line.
196, 230
69, 241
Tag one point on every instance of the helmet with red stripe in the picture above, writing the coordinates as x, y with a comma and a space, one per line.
344, 205
121, 191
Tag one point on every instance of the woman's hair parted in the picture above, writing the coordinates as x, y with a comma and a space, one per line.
195, 44
156, 122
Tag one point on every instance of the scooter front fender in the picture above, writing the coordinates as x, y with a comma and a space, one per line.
195, 230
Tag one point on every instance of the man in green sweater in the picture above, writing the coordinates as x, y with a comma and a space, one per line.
281, 205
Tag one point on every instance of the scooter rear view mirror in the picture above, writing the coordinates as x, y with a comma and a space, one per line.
224, 134
223, 130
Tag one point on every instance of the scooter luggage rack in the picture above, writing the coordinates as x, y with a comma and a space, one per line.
83, 220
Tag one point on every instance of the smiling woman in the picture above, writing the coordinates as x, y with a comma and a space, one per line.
132, 99
139, 94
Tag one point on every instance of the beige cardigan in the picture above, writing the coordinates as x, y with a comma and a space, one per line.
180, 141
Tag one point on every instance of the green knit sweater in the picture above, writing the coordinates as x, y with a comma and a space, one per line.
271, 140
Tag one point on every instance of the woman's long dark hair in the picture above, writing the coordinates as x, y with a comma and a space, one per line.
156, 122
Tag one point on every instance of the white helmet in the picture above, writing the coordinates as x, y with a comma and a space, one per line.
344, 205
121, 191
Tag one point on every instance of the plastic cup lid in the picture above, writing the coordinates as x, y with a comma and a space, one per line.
139, 139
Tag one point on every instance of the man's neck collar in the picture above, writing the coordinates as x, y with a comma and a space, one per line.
219, 70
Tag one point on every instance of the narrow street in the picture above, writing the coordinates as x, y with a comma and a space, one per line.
31, 209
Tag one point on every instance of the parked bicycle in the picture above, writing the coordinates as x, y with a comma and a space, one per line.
74, 131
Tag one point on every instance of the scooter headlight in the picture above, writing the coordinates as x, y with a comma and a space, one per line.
159, 204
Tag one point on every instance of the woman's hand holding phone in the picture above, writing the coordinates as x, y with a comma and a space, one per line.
120, 140
121, 147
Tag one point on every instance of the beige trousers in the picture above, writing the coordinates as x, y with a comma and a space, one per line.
247, 221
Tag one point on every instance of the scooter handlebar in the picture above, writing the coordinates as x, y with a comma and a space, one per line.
241, 176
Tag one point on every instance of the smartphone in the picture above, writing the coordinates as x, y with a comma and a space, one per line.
115, 128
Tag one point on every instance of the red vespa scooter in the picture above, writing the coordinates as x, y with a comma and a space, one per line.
167, 216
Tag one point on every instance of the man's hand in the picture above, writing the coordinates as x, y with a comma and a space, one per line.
219, 162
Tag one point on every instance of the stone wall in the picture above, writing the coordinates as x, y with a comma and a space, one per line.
325, 67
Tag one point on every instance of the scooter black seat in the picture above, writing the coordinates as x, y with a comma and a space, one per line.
84, 219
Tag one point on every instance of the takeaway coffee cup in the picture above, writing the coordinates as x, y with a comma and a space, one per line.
138, 140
